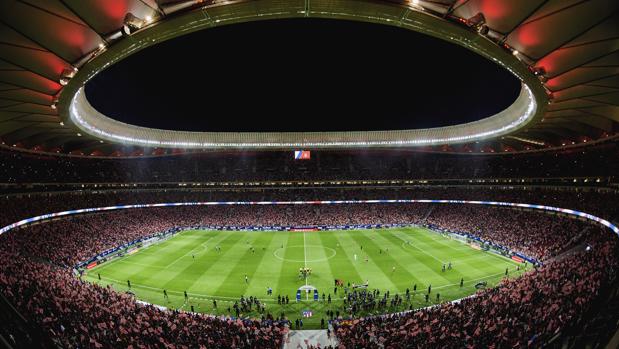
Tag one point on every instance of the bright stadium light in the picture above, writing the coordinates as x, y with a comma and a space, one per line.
66, 75
526, 108
131, 23
93, 122
570, 212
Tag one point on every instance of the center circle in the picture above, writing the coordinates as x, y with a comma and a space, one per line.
307, 250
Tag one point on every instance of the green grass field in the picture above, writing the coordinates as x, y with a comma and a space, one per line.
189, 262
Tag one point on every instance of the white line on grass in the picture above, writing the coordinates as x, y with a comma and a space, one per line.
305, 257
466, 245
469, 281
406, 242
126, 261
501, 257
191, 251
266, 300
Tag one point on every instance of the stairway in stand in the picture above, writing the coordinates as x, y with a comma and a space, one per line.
302, 338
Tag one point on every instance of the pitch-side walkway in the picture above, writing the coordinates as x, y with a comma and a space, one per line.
302, 338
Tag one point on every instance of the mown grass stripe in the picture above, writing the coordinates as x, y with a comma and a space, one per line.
401, 277
234, 283
288, 281
216, 265
446, 252
267, 268
318, 257
220, 275
368, 271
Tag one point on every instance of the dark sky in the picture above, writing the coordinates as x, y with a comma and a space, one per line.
302, 75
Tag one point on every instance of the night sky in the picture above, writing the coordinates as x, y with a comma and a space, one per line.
302, 75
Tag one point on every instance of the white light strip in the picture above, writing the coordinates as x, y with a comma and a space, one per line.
460, 133
580, 214
525, 140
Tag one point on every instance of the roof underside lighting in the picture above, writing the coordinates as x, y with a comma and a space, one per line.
526, 140
132, 23
93, 122
66, 75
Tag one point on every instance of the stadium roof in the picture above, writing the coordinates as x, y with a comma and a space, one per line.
569, 48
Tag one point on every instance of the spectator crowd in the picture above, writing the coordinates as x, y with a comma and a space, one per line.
36, 276
597, 160
523, 312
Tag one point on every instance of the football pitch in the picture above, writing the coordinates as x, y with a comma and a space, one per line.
213, 265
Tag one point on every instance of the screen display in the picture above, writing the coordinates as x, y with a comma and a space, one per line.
302, 155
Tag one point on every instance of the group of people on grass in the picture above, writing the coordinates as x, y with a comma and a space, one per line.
36, 276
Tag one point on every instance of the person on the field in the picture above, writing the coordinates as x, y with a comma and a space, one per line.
246, 279
461, 282
99, 275
393, 269
449, 266
186, 298
506, 271
129, 283
214, 304
430, 288
443, 268
165, 294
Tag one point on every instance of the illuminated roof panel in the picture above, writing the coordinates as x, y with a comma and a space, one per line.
574, 43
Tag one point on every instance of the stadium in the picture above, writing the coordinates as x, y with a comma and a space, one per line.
309, 174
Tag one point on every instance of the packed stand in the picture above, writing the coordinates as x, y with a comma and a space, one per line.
36, 275
530, 233
18, 207
595, 160
523, 312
